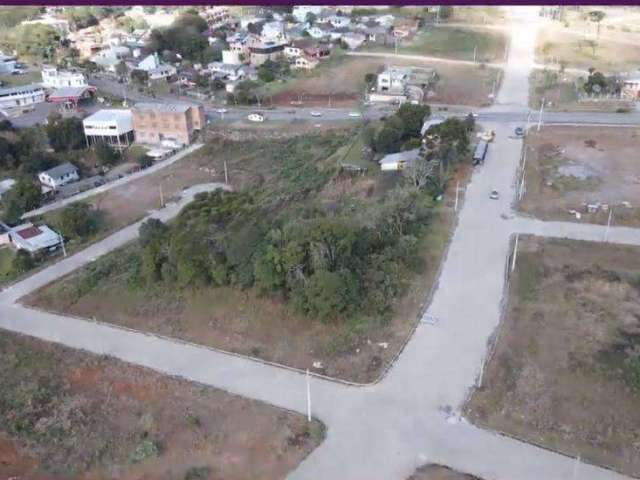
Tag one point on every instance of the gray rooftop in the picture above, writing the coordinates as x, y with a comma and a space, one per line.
61, 170
21, 89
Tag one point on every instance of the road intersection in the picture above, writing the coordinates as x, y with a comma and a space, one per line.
411, 417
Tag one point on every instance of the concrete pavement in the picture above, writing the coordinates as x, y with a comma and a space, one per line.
381, 431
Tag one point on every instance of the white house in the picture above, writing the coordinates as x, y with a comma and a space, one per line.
300, 12
272, 31
155, 68
231, 57
58, 176
34, 239
20, 98
6, 185
111, 57
54, 78
305, 62
317, 32
7, 63
395, 162
353, 40
111, 126
393, 80
339, 21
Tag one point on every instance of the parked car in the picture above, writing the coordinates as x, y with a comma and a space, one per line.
222, 110
519, 131
255, 117
316, 114
494, 195
355, 114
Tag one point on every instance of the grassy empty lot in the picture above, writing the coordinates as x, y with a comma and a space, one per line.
478, 14
438, 472
69, 414
344, 82
568, 168
577, 50
566, 369
255, 323
558, 90
455, 43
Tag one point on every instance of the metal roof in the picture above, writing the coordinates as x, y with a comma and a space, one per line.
61, 170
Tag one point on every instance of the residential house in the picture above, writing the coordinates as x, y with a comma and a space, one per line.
262, 52
34, 239
16, 100
155, 123
406, 27
300, 12
111, 126
305, 62
6, 185
339, 21
217, 16
225, 70
393, 80
231, 57
307, 46
156, 69
353, 39
317, 32
54, 78
58, 176
273, 31
110, 58
395, 162
7, 63
631, 88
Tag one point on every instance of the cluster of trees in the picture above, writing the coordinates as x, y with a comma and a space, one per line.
599, 84
185, 37
327, 265
401, 131
77, 221
270, 70
33, 40
26, 153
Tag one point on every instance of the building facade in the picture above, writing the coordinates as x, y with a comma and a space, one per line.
110, 126
58, 176
155, 123
21, 98
54, 78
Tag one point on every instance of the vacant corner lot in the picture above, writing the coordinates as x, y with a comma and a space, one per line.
65, 413
568, 168
265, 326
565, 373
580, 51
454, 42
438, 472
344, 83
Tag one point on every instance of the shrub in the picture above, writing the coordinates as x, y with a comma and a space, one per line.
145, 449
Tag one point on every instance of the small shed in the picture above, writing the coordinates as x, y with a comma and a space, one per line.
395, 162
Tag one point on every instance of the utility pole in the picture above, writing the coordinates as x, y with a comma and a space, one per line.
540, 115
606, 232
226, 176
308, 397
515, 254
64, 250
455, 206
575, 467
475, 51
161, 196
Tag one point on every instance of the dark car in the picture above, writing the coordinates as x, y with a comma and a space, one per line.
519, 131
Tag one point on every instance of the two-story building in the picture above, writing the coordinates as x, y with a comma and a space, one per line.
111, 126
54, 78
58, 176
155, 123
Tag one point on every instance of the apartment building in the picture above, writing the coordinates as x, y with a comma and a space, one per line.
154, 122
54, 78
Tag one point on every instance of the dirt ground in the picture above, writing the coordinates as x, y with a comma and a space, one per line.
458, 84
569, 167
565, 373
437, 472
259, 326
68, 414
612, 53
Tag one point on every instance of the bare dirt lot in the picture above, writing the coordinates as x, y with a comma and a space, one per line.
437, 472
566, 369
608, 53
568, 168
65, 413
344, 83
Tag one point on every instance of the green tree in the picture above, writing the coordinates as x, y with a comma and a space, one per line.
78, 221
22, 262
329, 294
24, 196
107, 156
412, 117
36, 40
65, 133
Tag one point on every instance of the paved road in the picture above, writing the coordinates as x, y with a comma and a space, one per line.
382, 431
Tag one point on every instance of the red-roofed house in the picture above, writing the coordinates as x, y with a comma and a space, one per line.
34, 239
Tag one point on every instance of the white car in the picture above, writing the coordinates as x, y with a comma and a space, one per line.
494, 195
222, 110
355, 114
255, 117
316, 114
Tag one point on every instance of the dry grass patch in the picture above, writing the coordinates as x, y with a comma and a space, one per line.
566, 369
